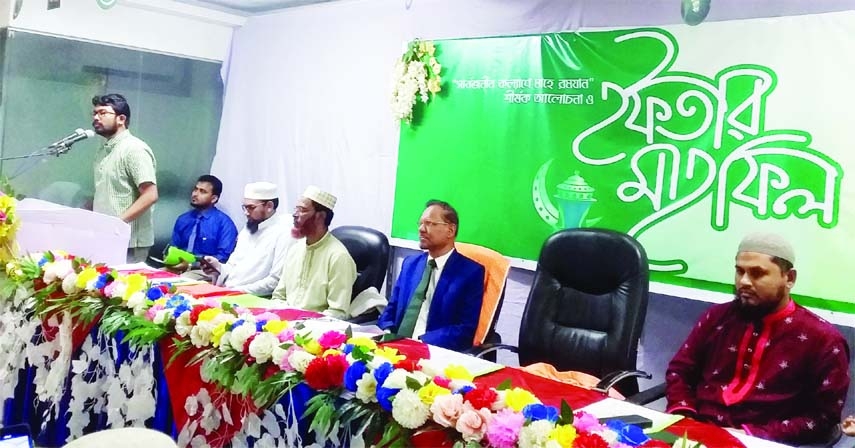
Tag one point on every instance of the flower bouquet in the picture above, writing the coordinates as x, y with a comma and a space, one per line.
417, 78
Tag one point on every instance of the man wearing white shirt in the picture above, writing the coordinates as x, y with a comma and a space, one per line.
255, 265
437, 297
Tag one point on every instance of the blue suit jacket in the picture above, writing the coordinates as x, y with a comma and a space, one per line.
456, 304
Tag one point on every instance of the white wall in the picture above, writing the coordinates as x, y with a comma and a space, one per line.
161, 26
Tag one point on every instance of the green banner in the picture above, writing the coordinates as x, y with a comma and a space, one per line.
686, 150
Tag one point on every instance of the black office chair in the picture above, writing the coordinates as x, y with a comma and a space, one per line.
586, 307
369, 249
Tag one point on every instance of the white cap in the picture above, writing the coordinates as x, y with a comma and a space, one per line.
263, 191
321, 197
770, 244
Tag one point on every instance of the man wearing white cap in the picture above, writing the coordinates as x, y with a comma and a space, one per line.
318, 272
256, 263
762, 363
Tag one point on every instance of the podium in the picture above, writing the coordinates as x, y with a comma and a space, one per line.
48, 226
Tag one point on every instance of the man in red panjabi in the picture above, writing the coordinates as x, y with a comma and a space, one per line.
762, 363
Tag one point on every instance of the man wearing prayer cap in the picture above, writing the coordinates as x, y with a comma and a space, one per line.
318, 272
256, 262
762, 363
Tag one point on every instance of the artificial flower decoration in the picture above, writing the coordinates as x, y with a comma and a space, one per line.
417, 78
8, 227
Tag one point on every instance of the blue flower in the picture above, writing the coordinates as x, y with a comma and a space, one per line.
259, 326
384, 397
628, 434
236, 324
353, 374
537, 411
180, 309
154, 293
382, 372
176, 300
43, 261
347, 349
102, 281
464, 389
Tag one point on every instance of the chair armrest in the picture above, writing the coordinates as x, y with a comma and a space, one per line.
480, 350
608, 381
649, 395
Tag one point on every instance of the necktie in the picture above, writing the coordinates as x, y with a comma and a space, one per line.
408, 323
191, 243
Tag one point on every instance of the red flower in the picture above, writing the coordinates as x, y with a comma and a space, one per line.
164, 289
271, 370
410, 365
102, 269
327, 372
246, 343
481, 397
589, 440
655, 444
195, 312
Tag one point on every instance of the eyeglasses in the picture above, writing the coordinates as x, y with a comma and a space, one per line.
102, 112
431, 224
249, 208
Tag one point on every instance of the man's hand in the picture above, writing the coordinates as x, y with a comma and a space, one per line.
210, 265
848, 426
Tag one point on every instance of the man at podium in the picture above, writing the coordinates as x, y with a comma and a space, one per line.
124, 168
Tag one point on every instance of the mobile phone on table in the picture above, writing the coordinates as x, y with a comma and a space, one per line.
16, 436
637, 420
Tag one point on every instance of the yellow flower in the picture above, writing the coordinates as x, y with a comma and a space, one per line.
161, 301
275, 326
135, 283
458, 372
564, 435
209, 314
390, 354
362, 341
517, 399
84, 277
332, 352
218, 332
428, 393
313, 347
433, 85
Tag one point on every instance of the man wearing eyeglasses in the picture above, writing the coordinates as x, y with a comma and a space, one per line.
318, 273
255, 265
437, 296
125, 183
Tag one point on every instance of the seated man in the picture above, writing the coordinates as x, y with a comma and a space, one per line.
205, 230
762, 363
437, 297
318, 272
256, 263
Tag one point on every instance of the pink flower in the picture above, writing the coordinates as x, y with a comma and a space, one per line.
108, 290
472, 424
446, 409
151, 312
286, 335
505, 429
265, 316
3, 216
585, 422
332, 339
211, 302
442, 381
285, 365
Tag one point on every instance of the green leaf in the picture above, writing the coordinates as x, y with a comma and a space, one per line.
504, 385
413, 383
664, 436
566, 417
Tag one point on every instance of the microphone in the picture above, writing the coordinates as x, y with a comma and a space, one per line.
67, 141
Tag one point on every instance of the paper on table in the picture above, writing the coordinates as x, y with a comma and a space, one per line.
611, 407
442, 358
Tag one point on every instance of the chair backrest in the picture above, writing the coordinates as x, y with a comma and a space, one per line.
125, 438
587, 304
496, 269
369, 249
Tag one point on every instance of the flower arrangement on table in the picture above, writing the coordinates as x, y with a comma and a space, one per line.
417, 78
362, 390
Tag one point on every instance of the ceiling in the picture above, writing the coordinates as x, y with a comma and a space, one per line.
249, 6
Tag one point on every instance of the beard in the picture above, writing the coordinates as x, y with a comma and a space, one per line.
252, 225
756, 311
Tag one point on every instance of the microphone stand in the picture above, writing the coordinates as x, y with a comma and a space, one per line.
52, 150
